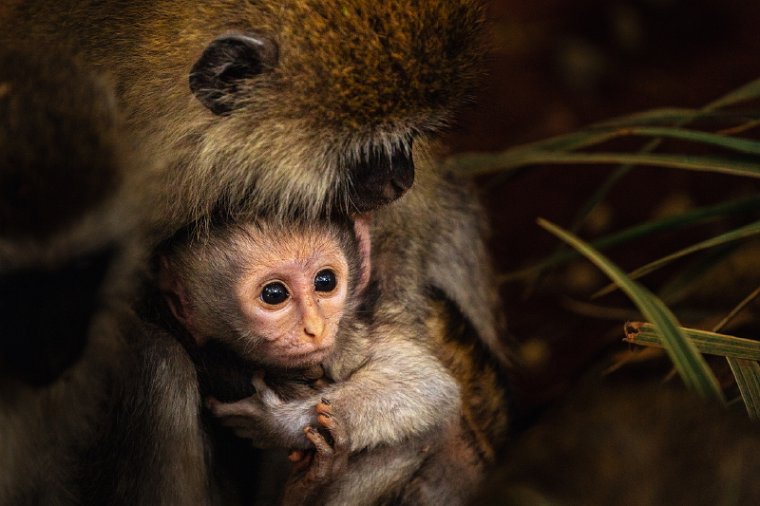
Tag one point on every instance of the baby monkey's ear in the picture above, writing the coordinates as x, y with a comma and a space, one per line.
362, 231
227, 61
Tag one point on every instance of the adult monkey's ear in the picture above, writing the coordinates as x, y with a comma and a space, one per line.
225, 63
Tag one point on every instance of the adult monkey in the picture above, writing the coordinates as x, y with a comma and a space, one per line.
310, 107
68, 258
293, 107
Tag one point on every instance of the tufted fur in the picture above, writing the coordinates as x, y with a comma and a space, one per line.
356, 79
353, 76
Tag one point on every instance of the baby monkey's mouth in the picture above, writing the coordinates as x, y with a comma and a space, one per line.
308, 358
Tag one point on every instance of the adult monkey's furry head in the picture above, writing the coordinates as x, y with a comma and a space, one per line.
295, 106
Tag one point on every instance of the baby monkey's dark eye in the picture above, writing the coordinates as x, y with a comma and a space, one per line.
274, 293
325, 281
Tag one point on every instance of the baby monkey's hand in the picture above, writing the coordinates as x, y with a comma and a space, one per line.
313, 471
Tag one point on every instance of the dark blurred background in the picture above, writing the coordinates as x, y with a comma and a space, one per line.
557, 66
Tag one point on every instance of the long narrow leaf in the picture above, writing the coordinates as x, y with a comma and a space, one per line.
678, 117
595, 136
687, 279
711, 343
740, 353
688, 362
602, 191
746, 146
580, 218
479, 164
474, 162
747, 374
691, 217
749, 91
663, 116
744, 232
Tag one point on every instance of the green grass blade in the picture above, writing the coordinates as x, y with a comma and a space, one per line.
599, 195
481, 164
687, 279
741, 354
572, 141
477, 163
677, 117
580, 218
690, 365
745, 146
749, 91
744, 232
593, 136
694, 216
670, 117
663, 116
710, 343
747, 374
518, 156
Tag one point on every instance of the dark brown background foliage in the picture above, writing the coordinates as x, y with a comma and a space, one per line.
557, 66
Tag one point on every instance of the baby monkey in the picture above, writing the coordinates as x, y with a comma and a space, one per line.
289, 296
275, 294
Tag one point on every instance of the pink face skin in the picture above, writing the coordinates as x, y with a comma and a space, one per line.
292, 296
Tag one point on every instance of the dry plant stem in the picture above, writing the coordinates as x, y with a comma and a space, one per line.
744, 127
633, 356
738, 309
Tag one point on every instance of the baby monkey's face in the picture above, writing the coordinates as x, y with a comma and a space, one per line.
292, 294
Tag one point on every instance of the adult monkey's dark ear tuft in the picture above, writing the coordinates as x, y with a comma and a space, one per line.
215, 77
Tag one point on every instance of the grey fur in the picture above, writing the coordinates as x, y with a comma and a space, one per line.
396, 402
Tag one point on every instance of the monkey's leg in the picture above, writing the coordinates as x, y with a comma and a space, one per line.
377, 476
450, 475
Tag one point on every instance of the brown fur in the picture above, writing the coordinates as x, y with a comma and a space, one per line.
439, 452
445, 465
356, 79
386, 390
351, 75
50, 134
479, 376
471, 446
68, 254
